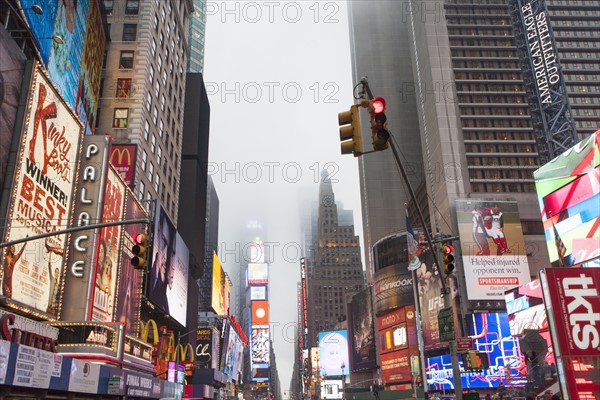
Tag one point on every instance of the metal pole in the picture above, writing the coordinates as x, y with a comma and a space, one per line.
445, 290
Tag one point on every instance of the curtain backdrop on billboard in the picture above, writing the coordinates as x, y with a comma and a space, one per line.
493, 249
109, 251
41, 198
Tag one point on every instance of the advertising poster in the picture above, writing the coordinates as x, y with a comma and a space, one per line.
333, 352
123, 158
64, 62
572, 222
41, 199
109, 251
170, 264
395, 367
258, 274
393, 288
42, 26
493, 249
84, 377
397, 335
429, 282
230, 354
260, 313
88, 87
362, 331
491, 335
218, 278
573, 300
258, 293
260, 346
130, 279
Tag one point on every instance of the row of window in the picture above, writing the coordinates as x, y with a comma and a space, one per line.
503, 161
499, 148
498, 187
132, 7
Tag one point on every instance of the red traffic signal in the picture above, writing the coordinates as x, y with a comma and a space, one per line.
447, 249
139, 250
378, 105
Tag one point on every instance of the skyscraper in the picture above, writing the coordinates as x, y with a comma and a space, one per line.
143, 81
469, 106
196, 37
337, 269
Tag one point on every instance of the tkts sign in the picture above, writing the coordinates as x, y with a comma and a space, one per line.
572, 298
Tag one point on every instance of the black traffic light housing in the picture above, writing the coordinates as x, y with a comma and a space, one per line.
350, 133
379, 132
448, 256
139, 250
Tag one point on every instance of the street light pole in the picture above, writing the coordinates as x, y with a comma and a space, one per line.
343, 380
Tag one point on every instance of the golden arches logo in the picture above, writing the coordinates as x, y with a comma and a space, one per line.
183, 353
118, 154
145, 328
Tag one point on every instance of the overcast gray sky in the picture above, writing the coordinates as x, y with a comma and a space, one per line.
277, 74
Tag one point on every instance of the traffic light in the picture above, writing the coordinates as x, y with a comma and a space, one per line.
379, 133
139, 250
484, 361
350, 133
447, 254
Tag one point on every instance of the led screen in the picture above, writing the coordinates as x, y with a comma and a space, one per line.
258, 274
333, 352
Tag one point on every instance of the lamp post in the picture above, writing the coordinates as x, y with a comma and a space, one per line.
343, 380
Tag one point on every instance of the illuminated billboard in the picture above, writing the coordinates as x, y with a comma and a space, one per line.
569, 198
41, 198
258, 293
260, 312
218, 302
493, 249
260, 348
84, 244
109, 251
333, 352
361, 331
207, 348
393, 286
572, 298
397, 333
41, 25
258, 274
170, 264
123, 158
130, 279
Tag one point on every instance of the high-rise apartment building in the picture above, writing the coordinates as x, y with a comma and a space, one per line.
472, 116
143, 82
337, 269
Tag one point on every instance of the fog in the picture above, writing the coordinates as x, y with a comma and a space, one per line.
277, 75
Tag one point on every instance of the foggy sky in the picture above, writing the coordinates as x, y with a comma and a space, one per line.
277, 75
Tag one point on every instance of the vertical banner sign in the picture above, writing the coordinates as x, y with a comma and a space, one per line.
88, 210
130, 279
493, 249
572, 297
122, 157
88, 87
109, 251
42, 198
429, 282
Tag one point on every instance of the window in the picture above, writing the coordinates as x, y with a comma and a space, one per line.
132, 7
123, 88
159, 63
120, 118
159, 155
161, 127
156, 183
155, 23
155, 115
144, 160
151, 73
149, 102
150, 172
126, 60
162, 103
157, 89
146, 129
153, 48
129, 32
108, 6
142, 190
153, 144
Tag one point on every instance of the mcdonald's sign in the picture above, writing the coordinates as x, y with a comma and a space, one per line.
123, 158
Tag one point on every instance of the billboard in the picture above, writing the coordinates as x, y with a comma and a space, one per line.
218, 302
170, 264
207, 348
397, 333
258, 293
333, 352
42, 197
41, 25
258, 274
393, 288
260, 312
572, 222
491, 335
259, 353
493, 249
109, 250
123, 158
573, 304
362, 331
84, 244
130, 279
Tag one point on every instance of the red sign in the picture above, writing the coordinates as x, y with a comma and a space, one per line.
574, 296
395, 367
260, 312
464, 343
122, 157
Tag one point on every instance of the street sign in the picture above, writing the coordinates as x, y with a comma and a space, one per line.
446, 324
464, 343
114, 383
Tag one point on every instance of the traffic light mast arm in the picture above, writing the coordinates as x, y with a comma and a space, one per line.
77, 229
